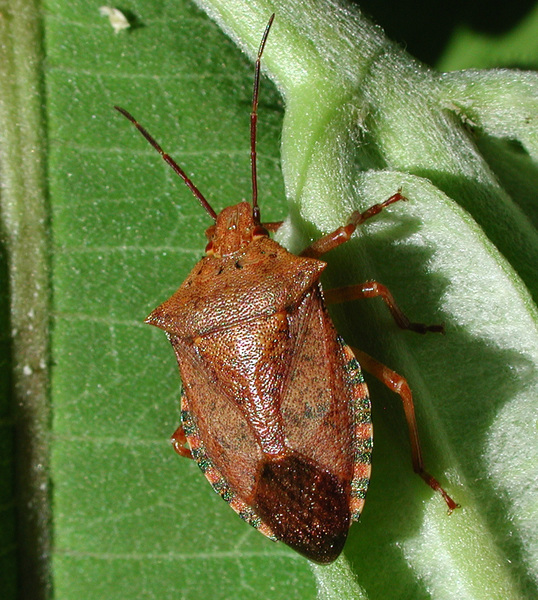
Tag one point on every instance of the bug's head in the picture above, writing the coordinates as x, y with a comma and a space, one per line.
235, 228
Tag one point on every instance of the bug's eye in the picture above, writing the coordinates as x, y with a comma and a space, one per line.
210, 232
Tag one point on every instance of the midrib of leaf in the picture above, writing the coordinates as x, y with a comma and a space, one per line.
25, 235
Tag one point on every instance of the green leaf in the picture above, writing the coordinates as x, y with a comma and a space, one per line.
131, 519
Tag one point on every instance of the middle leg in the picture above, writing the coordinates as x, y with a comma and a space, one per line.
372, 289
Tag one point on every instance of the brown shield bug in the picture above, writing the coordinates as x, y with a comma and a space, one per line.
275, 409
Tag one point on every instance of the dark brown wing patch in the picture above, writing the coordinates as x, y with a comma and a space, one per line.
305, 506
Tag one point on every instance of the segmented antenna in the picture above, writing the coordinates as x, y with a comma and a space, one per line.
168, 159
253, 125
254, 122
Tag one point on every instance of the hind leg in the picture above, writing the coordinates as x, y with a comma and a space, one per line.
398, 384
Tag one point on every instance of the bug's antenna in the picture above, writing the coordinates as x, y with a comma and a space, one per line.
254, 122
168, 159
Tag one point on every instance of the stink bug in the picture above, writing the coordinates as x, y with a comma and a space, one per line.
275, 409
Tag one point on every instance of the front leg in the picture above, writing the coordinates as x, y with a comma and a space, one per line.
343, 234
179, 441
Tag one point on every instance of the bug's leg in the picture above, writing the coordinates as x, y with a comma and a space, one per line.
273, 225
372, 289
343, 234
398, 384
179, 439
